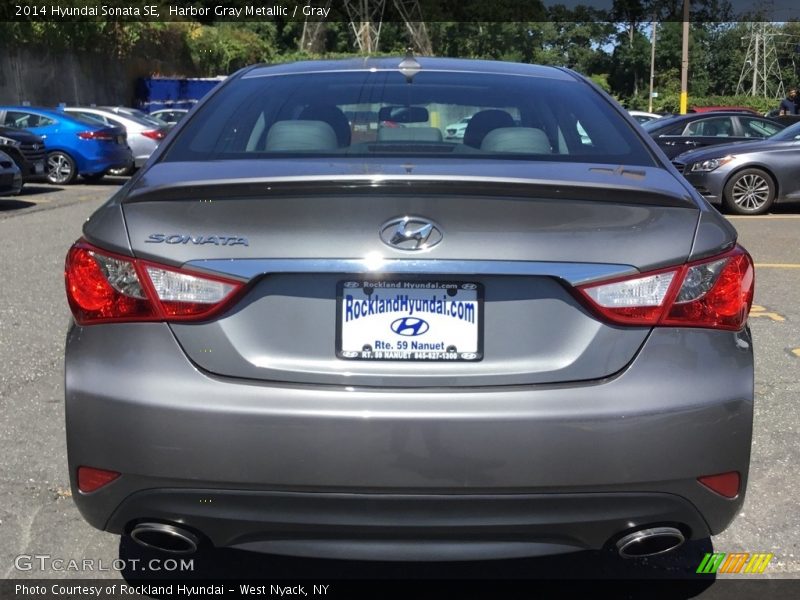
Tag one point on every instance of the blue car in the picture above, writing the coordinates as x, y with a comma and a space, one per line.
75, 145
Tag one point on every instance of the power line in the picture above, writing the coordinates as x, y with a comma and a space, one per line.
761, 72
366, 18
312, 32
411, 13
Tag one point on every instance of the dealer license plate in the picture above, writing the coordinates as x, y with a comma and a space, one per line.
409, 320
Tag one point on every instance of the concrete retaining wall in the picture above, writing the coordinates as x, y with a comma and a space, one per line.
44, 77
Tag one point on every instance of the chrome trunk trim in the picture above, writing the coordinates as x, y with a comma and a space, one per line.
246, 269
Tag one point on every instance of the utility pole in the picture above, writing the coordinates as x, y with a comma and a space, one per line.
755, 65
652, 66
764, 54
685, 60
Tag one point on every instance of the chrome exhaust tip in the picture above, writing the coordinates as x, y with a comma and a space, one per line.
650, 542
164, 537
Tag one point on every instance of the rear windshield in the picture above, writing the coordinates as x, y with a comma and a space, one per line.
86, 119
141, 117
660, 123
381, 113
145, 121
788, 134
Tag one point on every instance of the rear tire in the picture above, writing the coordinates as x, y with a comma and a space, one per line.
61, 168
749, 192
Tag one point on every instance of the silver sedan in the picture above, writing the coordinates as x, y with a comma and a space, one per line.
747, 177
293, 340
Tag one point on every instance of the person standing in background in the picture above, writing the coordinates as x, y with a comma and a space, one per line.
789, 105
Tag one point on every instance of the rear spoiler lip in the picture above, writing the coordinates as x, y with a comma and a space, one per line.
598, 190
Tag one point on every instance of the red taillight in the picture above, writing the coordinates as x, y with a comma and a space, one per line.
727, 303
106, 287
724, 484
716, 293
101, 287
91, 479
154, 134
103, 136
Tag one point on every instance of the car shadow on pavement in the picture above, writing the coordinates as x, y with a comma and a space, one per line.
785, 208
677, 569
782, 208
108, 180
31, 189
13, 204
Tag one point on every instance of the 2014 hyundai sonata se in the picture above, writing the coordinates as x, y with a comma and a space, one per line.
295, 337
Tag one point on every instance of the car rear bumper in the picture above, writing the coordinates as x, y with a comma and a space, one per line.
100, 160
407, 526
101, 166
141, 149
336, 471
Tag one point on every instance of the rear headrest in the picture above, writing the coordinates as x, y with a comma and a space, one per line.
482, 123
302, 136
331, 115
525, 140
409, 134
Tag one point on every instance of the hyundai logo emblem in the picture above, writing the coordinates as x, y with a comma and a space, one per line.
410, 326
410, 233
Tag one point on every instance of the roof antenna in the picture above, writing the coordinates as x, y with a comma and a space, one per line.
409, 65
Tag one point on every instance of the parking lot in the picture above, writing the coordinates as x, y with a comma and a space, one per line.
37, 516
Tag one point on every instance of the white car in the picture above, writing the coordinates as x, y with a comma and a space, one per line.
643, 117
455, 131
170, 116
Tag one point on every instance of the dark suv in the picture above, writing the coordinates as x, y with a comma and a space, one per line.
27, 151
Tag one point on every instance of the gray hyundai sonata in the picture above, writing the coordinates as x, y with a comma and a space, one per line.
747, 178
296, 336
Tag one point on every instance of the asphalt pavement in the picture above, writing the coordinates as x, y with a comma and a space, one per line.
38, 518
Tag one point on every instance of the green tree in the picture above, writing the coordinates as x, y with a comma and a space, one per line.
225, 47
630, 64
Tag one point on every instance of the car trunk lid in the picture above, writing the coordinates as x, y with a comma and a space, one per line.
305, 246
